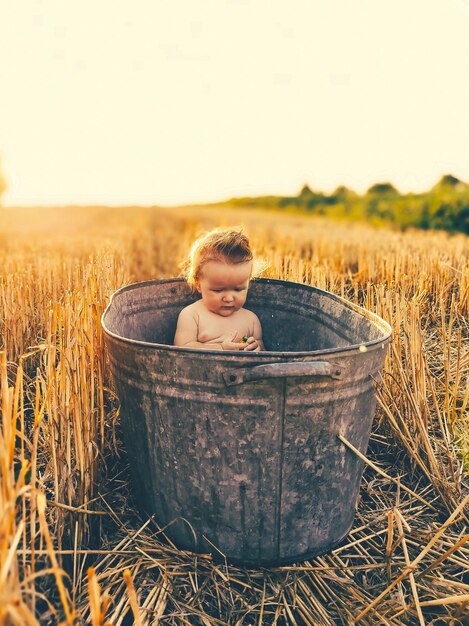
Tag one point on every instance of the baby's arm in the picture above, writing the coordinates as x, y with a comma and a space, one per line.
255, 343
187, 333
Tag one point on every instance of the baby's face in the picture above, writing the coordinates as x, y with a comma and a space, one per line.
224, 286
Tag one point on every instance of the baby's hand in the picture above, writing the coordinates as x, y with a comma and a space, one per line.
251, 344
229, 342
231, 345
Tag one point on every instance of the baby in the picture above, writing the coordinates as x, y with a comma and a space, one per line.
219, 268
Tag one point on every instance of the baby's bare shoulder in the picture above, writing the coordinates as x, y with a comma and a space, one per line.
191, 311
254, 323
250, 315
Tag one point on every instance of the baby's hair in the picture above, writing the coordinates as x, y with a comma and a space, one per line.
221, 244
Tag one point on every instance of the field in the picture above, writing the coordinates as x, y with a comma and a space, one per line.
74, 550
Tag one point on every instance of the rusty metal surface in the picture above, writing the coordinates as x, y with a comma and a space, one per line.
244, 445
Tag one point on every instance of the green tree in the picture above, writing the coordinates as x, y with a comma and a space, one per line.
382, 189
305, 193
448, 180
344, 192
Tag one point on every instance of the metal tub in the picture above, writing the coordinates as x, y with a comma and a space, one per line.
239, 452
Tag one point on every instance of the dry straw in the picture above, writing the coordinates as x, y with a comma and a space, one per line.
72, 547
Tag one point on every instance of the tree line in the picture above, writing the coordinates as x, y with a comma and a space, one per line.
444, 207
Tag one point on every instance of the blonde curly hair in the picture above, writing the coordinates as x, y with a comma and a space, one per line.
220, 244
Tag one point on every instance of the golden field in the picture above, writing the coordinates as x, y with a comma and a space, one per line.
72, 548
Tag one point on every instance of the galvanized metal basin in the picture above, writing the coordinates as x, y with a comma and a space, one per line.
239, 452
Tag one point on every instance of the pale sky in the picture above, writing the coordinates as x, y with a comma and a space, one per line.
181, 101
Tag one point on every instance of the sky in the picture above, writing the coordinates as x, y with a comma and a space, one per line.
182, 101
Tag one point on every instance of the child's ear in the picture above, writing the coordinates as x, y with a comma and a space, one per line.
197, 286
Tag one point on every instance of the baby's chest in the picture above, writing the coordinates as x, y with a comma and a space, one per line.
212, 329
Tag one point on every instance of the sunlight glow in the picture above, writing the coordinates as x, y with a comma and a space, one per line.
158, 102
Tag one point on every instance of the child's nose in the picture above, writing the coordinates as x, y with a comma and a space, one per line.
228, 296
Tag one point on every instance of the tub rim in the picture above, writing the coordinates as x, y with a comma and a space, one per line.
369, 345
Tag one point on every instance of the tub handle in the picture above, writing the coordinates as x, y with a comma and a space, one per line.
282, 370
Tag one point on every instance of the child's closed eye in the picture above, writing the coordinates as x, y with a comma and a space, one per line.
237, 289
